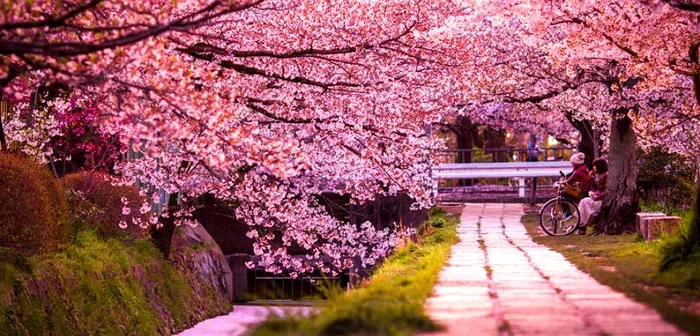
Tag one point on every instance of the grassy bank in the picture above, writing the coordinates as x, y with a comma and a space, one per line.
391, 302
631, 266
99, 286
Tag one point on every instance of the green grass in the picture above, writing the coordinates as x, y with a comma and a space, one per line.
636, 270
391, 302
652, 206
101, 286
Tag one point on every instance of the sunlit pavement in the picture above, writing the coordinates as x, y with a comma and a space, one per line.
499, 282
241, 320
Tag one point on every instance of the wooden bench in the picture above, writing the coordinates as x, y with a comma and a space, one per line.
519, 170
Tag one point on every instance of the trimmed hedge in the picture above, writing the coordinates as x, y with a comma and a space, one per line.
104, 209
33, 215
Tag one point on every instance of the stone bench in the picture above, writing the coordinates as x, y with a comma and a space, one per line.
652, 225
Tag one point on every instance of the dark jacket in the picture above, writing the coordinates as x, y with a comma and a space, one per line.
580, 175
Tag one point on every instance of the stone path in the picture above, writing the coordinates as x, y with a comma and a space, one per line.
241, 320
499, 282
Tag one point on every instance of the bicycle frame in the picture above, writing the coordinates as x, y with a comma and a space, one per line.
558, 210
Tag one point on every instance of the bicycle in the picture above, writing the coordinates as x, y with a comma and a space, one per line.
559, 216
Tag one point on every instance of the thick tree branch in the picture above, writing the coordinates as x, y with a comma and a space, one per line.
607, 36
53, 22
694, 53
686, 5
67, 49
248, 70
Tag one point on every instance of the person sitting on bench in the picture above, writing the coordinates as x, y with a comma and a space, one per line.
579, 176
591, 204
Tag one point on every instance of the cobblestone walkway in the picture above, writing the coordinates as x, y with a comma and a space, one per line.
499, 282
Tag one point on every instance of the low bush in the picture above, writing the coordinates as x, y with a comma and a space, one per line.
438, 223
665, 178
98, 204
33, 215
683, 246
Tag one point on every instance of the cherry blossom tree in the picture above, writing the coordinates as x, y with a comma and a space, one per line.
262, 103
597, 62
267, 103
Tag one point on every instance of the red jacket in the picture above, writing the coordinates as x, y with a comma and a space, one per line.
580, 175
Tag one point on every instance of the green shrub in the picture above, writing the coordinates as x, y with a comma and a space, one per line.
436, 211
682, 246
100, 206
665, 178
438, 222
33, 215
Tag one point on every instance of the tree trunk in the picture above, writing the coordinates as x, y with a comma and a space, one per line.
587, 147
162, 237
496, 144
3, 143
465, 132
694, 234
619, 209
590, 139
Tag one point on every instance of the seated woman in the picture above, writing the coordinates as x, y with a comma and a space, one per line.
579, 176
590, 205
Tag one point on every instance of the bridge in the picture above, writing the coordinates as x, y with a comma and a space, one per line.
480, 171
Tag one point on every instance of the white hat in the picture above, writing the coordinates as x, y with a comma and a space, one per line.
578, 158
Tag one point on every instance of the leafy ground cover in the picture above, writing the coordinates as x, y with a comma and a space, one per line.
631, 266
391, 301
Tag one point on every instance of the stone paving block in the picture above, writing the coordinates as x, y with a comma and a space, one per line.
504, 293
462, 327
527, 306
641, 226
657, 226
561, 325
459, 290
456, 315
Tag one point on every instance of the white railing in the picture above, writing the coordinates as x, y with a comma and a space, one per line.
519, 170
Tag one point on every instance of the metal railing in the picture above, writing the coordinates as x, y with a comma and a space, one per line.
267, 286
502, 155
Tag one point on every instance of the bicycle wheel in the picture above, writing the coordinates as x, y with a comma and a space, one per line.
559, 217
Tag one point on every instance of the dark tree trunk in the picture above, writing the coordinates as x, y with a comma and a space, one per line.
13, 72
465, 139
162, 237
495, 143
3, 143
619, 209
590, 139
465, 132
694, 234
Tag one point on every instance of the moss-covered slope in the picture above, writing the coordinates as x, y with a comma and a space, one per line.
103, 287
